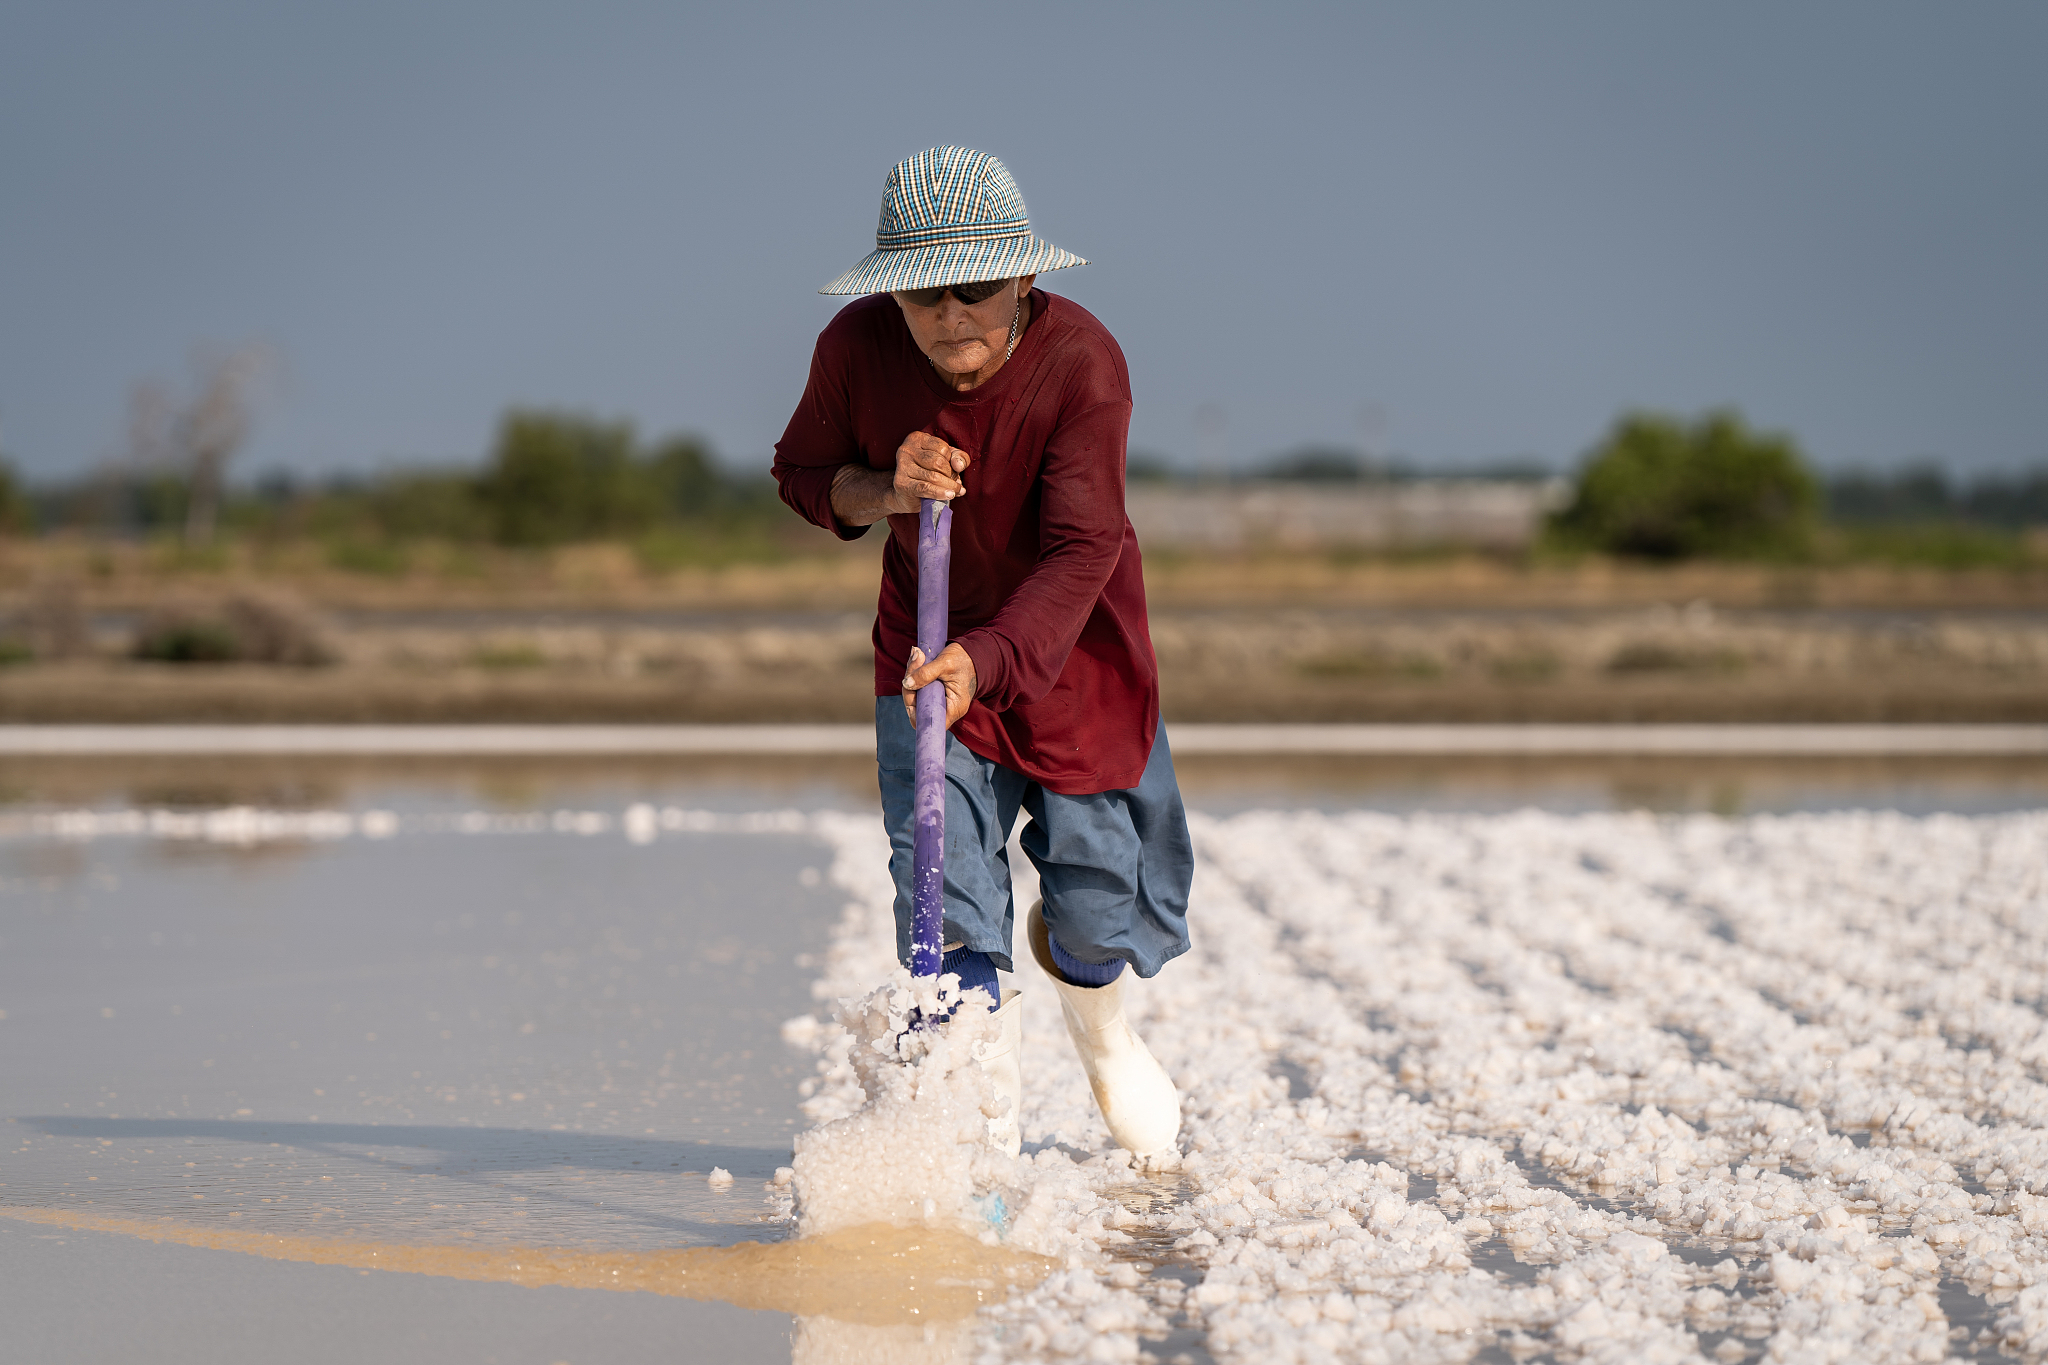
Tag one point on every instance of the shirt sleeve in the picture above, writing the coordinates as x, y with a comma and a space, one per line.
1019, 654
818, 440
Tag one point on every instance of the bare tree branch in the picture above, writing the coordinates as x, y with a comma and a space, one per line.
152, 425
213, 429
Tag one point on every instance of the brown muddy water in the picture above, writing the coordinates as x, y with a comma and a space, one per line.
269, 1030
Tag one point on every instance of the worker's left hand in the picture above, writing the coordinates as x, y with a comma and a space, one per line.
953, 668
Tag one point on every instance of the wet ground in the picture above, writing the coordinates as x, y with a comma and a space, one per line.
524, 1027
538, 1005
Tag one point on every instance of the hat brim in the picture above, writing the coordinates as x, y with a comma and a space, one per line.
926, 267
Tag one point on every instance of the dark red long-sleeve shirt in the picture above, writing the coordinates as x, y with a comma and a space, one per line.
1048, 595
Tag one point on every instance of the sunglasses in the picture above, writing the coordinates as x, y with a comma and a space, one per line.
978, 292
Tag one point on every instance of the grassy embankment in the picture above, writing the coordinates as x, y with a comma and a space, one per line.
284, 630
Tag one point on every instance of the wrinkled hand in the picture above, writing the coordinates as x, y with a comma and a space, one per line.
952, 668
926, 467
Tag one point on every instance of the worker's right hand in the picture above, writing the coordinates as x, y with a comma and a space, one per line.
926, 467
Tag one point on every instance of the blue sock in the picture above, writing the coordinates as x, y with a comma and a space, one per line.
1084, 973
975, 969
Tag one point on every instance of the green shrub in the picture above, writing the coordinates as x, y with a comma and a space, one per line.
558, 477
683, 478
195, 641
1651, 657
555, 478
1660, 488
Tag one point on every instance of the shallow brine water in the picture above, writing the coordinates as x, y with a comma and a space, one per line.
1459, 1086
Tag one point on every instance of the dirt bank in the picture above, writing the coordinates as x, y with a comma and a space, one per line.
1221, 664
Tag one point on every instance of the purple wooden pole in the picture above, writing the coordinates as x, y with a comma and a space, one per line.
928, 882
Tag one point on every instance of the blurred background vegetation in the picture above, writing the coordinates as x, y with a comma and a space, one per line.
1659, 488
1662, 488
551, 478
1690, 568
1656, 488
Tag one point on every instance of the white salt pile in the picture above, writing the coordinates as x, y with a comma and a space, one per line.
876, 1115
1605, 1087
916, 1149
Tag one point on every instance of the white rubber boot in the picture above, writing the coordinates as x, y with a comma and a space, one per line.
1136, 1096
999, 1061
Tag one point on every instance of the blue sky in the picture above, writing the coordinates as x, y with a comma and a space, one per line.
1457, 231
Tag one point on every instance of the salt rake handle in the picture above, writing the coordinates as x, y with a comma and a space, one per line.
928, 880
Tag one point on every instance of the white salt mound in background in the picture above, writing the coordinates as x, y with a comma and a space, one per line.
1601, 1087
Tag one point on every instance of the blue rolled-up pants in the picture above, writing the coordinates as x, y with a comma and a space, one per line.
1114, 866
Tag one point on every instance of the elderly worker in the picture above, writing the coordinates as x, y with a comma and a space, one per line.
956, 379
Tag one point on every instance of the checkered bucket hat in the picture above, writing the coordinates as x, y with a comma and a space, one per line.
950, 216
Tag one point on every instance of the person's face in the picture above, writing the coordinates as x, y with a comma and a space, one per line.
963, 338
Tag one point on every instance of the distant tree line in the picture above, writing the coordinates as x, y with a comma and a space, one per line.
1654, 487
1333, 465
1663, 487
550, 478
1926, 493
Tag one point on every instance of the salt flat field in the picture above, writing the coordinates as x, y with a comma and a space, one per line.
1472, 1069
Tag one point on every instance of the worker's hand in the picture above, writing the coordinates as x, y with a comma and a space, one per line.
952, 668
926, 467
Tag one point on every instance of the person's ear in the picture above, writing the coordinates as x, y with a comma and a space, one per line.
1024, 284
